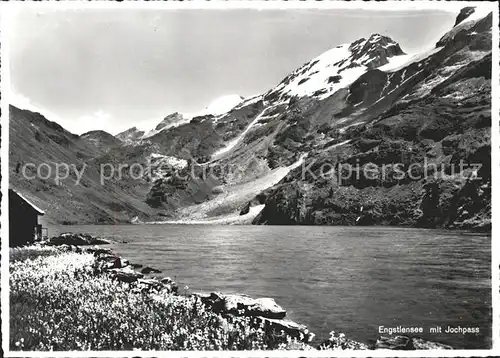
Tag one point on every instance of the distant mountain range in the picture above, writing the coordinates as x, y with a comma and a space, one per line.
219, 106
356, 105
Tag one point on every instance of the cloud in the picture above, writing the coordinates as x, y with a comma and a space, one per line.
22, 102
99, 120
99, 117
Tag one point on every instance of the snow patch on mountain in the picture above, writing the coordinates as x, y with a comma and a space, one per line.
480, 12
230, 219
218, 154
321, 74
223, 104
338, 67
160, 165
172, 120
397, 63
234, 197
249, 101
174, 162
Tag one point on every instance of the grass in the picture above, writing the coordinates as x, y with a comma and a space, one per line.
62, 301
31, 252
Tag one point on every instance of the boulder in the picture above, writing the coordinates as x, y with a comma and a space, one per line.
246, 209
124, 262
126, 274
69, 248
170, 285
291, 328
151, 284
395, 343
148, 270
166, 280
407, 343
420, 343
112, 261
105, 257
247, 306
341, 342
242, 305
148, 284
201, 295
65, 247
135, 220
213, 301
80, 239
99, 250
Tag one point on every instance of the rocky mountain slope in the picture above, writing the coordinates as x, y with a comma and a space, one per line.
101, 139
38, 147
363, 134
219, 106
130, 135
360, 104
428, 117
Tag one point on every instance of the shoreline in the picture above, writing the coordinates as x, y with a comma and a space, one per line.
476, 230
260, 322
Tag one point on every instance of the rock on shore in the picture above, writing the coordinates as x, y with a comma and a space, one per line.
264, 310
79, 239
122, 270
242, 305
147, 270
408, 343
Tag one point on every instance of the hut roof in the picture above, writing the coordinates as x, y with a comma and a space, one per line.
36, 208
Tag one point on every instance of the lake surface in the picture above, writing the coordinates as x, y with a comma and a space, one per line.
347, 279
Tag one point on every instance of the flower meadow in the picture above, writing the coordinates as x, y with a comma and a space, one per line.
63, 301
23, 253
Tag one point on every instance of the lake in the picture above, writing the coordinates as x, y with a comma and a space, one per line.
347, 279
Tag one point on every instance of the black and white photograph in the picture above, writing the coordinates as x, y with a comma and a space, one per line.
294, 178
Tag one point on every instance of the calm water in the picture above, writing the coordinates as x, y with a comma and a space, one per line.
347, 279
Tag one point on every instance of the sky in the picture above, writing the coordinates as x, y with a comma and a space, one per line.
113, 69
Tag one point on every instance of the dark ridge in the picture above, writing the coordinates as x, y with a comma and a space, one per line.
464, 13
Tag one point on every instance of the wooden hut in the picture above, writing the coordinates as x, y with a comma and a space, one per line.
23, 220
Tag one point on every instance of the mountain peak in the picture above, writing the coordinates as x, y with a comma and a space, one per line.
95, 132
375, 51
169, 120
470, 21
464, 13
130, 134
337, 68
101, 139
